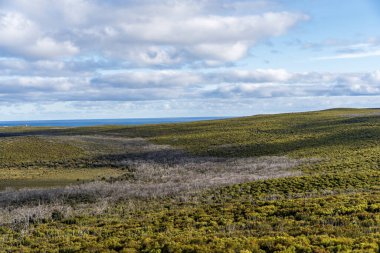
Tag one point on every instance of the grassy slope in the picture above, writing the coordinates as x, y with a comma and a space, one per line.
41, 161
347, 139
335, 207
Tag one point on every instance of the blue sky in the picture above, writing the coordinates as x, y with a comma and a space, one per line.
117, 59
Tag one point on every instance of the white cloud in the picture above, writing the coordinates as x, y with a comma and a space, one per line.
11, 64
17, 29
208, 37
178, 108
281, 83
375, 77
149, 79
50, 65
153, 55
347, 51
22, 37
46, 47
144, 33
221, 52
350, 55
45, 86
151, 85
54, 14
257, 76
195, 30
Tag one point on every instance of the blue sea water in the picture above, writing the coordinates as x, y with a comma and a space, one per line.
97, 122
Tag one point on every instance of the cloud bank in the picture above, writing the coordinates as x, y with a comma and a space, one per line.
79, 53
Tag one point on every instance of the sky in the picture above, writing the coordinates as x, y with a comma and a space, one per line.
78, 59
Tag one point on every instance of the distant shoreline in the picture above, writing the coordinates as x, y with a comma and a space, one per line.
99, 122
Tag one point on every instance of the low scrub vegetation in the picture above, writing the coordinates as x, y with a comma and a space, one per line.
264, 216
303, 182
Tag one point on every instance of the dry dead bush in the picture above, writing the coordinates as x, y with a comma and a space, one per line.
155, 171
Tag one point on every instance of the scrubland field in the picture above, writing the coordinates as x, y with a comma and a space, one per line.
301, 182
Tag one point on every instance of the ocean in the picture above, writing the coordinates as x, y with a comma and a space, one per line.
98, 122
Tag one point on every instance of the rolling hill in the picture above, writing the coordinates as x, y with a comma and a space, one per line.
296, 182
